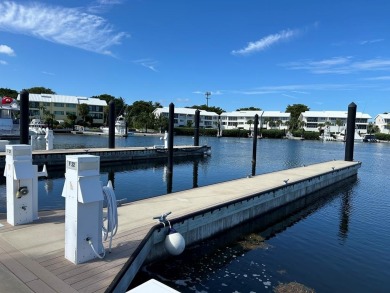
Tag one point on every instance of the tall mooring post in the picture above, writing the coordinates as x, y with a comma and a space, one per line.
24, 116
170, 146
350, 135
111, 125
196, 132
254, 151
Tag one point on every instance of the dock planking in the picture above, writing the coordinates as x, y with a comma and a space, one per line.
57, 157
33, 254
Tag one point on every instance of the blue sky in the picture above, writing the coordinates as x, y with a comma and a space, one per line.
261, 53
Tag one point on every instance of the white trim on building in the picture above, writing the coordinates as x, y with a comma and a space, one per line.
314, 119
383, 122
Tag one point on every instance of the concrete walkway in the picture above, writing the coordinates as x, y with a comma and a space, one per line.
32, 256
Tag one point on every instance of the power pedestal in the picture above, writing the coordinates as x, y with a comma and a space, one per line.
22, 185
83, 208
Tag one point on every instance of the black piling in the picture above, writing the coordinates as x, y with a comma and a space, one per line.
195, 171
111, 125
24, 117
196, 132
170, 146
350, 134
170, 136
254, 150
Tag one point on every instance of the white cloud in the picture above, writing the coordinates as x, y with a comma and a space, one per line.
266, 42
4, 49
367, 42
386, 77
148, 63
100, 6
67, 26
340, 65
182, 100
2, 62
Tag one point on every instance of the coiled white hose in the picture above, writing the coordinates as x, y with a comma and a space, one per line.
111, 228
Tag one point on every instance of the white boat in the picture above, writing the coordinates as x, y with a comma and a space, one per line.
326, 135
289, 135
37, 127
340, 136
9, 123
120, 127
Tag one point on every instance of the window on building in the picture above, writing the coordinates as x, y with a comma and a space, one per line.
34, 104
59, 105
58, 112
71, 105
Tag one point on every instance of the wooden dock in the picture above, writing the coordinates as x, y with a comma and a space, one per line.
32, 255
56, 157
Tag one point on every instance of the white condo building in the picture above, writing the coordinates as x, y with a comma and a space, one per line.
184, 117
60, 105
228, 120
267, 119
383, 122
337, 120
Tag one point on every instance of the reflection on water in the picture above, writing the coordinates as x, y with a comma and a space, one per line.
338, 244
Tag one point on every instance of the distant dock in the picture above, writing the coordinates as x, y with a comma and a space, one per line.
56, 157
32, 256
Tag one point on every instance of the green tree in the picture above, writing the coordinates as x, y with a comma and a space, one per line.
250, 122
83, 112
339, 123
40, 90
279, 123
140, 113
249, 109
162, 123
217, 110
295, 111
5, 92
71, 119
372, 128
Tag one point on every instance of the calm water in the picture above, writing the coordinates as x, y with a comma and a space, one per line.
338, 244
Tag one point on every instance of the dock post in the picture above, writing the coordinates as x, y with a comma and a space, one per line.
170, 147
196, 132
24, 116
195, 172
111, 125
350, 135
254, 151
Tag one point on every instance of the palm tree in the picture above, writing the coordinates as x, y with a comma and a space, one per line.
339, 123
266, 121
250, 122
279, 123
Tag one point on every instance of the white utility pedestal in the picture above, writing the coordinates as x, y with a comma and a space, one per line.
83, 208
49, 136
22, 185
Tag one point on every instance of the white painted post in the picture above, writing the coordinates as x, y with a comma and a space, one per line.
49, 136
83, 208
166, 139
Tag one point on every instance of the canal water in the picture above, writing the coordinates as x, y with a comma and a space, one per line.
338, 243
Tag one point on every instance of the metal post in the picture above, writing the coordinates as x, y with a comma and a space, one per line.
196, 132
111, 125
350, 135
24, 116
254, 151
